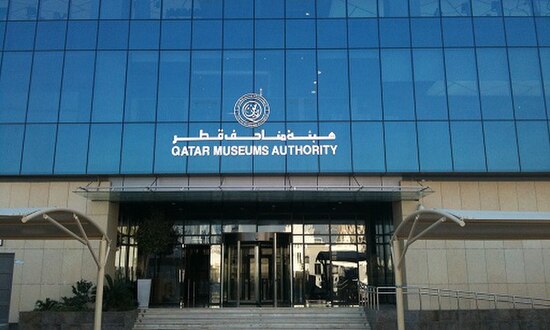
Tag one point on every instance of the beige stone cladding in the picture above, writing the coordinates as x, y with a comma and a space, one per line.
47, 268
509, 267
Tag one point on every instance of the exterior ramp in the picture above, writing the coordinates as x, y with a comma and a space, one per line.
253, 318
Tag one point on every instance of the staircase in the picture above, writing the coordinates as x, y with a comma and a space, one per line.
253, 318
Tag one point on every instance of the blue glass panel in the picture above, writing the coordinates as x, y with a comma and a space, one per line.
331, 33
468, 147
429, 84
104, 152
272, 162
144, 34
146, 9
19, 36
368, 147
240, 162
113, 35
363, 33
84, 9
50, 35
176, 8
401, 148
457, 32
301, 85
207, 9
424, 8
238, 34
82, 35
14, 86
207, 163
462, 85
141, 87
545, 62
456, 8
115, 9
173, 94
501, 146
331, 8
137, 148
45, 87
487, 8
426, 32
365, 89
335, 155
11, 143
526, 83
165, 162
434, 147
397, 84
237, 80
3, 9
269, 34
270, 78
110, 79
76, 95
541, 7
206, 86
543, 30
333, 85
301, 163
393, 8
176, 35
207, 34
489, 31
394, 32
239, 9
520, 31
54, 9
2, 30
38, 149
517, 8
300, 34
300, 8
269, 9
534, 146
362, 8
494, 83
23, 10
72, 149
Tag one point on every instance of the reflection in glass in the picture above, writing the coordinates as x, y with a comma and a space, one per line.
317, 273
344, 273
215, 273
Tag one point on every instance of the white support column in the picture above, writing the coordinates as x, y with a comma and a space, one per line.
100, 277
399, 285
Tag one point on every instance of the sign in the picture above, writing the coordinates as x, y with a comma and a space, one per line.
252, 110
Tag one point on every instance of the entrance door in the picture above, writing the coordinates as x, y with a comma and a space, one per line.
6, 275
196, 281
256, 269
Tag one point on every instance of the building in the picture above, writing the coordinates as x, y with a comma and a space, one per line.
284, 140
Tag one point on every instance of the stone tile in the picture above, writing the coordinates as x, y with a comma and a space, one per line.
14, 303
455, 244
488, 195
416, 263
50, 291
543, 195
75, 201
34, 244
14, 244
433, 200
532, 244
437, 267
536, 290
39, 194
59, 194
435, 244
53, 244
546, 263
72, 266
515, 265
53, 264
496, 266
527, 198
450, 195
507, 196
29, 295
5, 192
518, 244
477, 267
469, 195
20, 194
32, 267
493, 244
474, 244
534, 266
456, 266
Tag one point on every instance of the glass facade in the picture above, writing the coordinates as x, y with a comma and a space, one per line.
262, 254
101, 87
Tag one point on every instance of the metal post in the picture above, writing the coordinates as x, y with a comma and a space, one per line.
398, 287
275, 288
238, 273
99, 292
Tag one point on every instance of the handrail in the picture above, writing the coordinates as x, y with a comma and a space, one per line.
369, 296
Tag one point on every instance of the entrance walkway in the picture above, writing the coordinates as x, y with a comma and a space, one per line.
253, 318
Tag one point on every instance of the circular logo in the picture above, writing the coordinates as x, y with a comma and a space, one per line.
251, 110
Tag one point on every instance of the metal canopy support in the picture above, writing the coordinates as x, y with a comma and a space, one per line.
69, 225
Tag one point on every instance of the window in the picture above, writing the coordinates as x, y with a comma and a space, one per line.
76, 92
393, 8
50, 35
19, 36
270, 78
237, 79
11, 143
333, 85
394, 32
363, 33
207, 34
205, 86
301, 85
457, 32
489, 31
39, 149
300, 8
494, 83
468, 147
520, 31
269, 9
340, 161
141, 86
14, 86
365, 85
426, 32
429, 83
455, 8
146, 9
239, 9
110, 78
362, 8
434, 147
137, 148
84, 9
82, 35
269, 34
165, 162
462, 84
45, 87
54, 9
501, 146
207, 8
115, 9
104, 153
368, 147
397, 84
401, 148
238, 34
113, 35
487, 8
23, 10
144, 34
173, 99
300, 33
331, 33
176, 35
526, 83
331, 8
72, 149
534, 146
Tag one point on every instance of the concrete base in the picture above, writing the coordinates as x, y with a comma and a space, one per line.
76, 320
463, 319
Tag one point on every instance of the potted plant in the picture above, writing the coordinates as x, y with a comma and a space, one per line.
155, 237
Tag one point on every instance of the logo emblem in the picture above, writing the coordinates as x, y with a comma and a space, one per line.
251, 110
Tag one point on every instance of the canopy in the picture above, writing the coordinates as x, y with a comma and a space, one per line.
55, 224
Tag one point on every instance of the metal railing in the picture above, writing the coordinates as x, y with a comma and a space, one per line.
370, 297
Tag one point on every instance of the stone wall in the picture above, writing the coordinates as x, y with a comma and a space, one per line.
511, 267
47, 268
